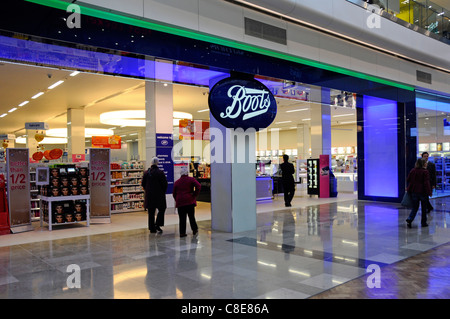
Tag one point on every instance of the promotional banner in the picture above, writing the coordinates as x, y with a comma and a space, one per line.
164, 145
324, 167
4, 216
18, 189
100, 184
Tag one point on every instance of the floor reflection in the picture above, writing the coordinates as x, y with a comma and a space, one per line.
319, 251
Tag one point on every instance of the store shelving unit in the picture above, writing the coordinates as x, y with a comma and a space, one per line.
34, 196
127, 194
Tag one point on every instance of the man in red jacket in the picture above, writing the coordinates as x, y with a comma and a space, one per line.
185, 192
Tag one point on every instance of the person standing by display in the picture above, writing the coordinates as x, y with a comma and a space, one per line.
185, 192
155, 184
431, 168
419, 187
287, 178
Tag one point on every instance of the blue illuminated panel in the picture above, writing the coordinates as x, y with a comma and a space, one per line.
380, 147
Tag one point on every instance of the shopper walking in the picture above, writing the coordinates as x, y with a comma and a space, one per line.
185, 192
419, 188
287, 179
431, 168
154, 183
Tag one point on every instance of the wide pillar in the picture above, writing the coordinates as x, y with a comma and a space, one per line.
320, 121
159, 118
233, 177
76, 134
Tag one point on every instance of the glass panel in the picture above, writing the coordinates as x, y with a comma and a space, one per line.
433, 118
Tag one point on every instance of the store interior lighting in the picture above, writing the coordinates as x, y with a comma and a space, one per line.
136, 118
89, 132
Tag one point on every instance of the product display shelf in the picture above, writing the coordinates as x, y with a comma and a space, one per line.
46, 209
34, 196
127, 194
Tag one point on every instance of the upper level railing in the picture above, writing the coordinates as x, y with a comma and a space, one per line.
421, 16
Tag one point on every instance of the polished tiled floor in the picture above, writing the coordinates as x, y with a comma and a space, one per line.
318, 249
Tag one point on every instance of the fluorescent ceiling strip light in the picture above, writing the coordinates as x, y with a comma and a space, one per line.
12, 110
283, 122
217, 40
3, 115
24, 103
37, 95
205, 110
74, 73
350, 122
55, 85
306, 120
343, 115
296, 110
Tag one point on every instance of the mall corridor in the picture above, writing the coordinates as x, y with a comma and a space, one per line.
318, 251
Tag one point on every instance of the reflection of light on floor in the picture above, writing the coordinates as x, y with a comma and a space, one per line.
266, 264
301, 273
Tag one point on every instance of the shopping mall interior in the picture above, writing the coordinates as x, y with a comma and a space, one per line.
115, 257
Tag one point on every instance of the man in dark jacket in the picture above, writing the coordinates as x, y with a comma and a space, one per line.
287, 178
154, 183
431, 168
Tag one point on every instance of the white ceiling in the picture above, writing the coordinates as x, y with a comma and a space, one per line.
98, 93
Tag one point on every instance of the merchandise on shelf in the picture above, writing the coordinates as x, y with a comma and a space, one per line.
127, 193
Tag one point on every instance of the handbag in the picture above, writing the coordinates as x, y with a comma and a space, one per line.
407, 201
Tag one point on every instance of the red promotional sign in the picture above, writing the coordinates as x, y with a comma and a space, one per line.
112, 142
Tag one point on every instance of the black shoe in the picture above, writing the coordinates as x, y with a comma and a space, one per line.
424, 225
408, 223
153, 231
183, 235
159, 229
195, 233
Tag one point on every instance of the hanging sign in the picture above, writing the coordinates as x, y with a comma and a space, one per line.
18, 189
242, 103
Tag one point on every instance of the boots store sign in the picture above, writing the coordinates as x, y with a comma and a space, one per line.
242, 103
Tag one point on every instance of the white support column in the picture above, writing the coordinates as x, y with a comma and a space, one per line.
303, 141
233, 178
75, 133
158, 110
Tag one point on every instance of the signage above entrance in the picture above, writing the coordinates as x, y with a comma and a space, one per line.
242, 103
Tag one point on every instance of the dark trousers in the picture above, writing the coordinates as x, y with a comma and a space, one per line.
419, 199
159, 217
289, 191
188, 211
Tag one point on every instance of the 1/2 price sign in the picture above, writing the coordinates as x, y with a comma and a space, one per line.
100, 184
18, 187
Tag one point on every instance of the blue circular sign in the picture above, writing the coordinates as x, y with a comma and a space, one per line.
240, 103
